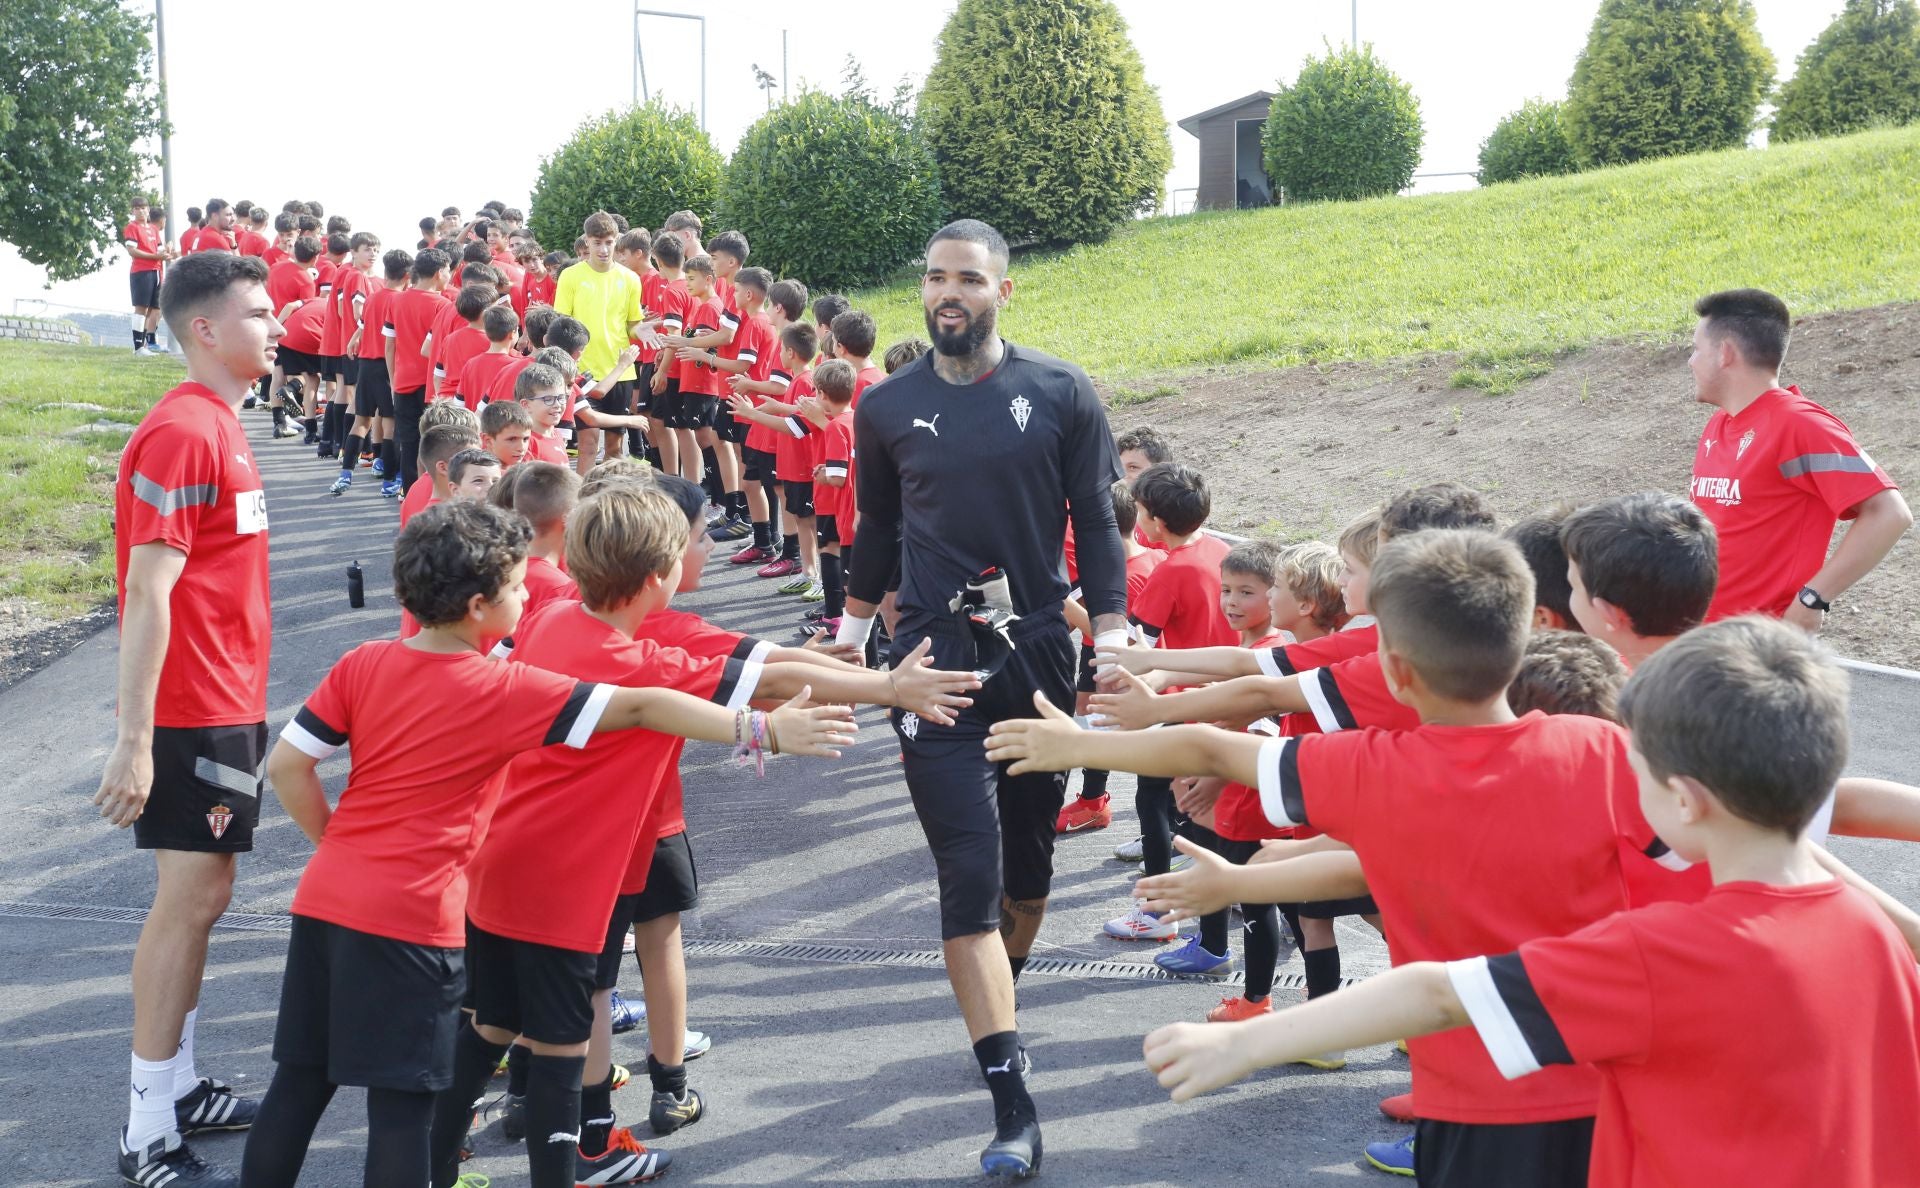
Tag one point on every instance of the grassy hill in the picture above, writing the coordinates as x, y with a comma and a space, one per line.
1509, 275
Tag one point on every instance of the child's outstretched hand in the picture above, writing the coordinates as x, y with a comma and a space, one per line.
821, 641
801, 728
1034, 744
933, 693
1128, 707
740, 402
1134, 659
1206, 886
1195, 1058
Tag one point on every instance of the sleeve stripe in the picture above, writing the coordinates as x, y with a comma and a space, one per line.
1273, 661
794, 427
167, 501
834, 468
748, 355
1660, 852
1825, 464
1279, 786
1323, 698
386, 331
1498, 1029
503, 649
309, 734
730, 321
574, 724
749, 648
737, 683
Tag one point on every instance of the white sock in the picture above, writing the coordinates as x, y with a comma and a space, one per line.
149, 1102
184, 1076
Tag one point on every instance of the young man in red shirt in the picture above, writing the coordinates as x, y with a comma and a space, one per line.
465, 342
1776, 472
147, 254
373, 388
411, 316
191, 570
1664, 1001
216, 232
252, 239
374, 974
349, 298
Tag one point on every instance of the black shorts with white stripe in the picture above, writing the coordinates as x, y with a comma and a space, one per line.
206, 789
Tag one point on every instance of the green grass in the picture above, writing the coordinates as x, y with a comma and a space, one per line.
1511, 276
56, 475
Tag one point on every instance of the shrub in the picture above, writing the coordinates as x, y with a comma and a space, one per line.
1528, 143
645, 163
1347, 128
1662, 77
839, 192
1041, 120
1863, 69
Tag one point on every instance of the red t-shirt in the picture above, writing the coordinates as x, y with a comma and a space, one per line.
332, 335
419, 498
1179, 604
1673, 1004
325, 268
561, 843
187, 480
373, 319
1344, 644
304, 328
547, 582
410, 317
836, 459
696, 374
349, 284
290, 280
651, 283
477, 373
500, 387
546, 448
1775, 480
446, 323
863, 379
393, 861
794, 449
676, 307
207, 239
1474, 839
274, 253
1353, 694
252, 243
540, 291
763, 345
146, 237
463, 345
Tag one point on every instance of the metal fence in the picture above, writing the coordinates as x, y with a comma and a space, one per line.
105, 327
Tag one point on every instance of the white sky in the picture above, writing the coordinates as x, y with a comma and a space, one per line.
373, 137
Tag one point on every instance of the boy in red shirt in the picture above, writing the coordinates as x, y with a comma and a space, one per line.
472, 473
463, 342
351, 287
1664, 1001
147, 253
793, 457
411, 315
501, 328
751, 356
282, 246
670, 315
854, 337
375, 962
835, 514
500, 387
373, 386
506, 428
544, 495
708, 327
438, 445
542, 391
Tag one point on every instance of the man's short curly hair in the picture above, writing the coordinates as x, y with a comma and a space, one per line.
451, 551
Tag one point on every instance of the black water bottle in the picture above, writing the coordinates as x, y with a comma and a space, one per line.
356, 586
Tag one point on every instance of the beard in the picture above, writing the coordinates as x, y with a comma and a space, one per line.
964, 341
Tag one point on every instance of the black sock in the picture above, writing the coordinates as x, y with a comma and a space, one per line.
667, 1078
1093, 784
397, 1128
1213, 932
596, 1115
1291, 914
288, 1114
390, 460
790, 547
279, 417
139, 339
1261, 948
335, 425
517, 1057
999, 1057
553, 1118
153, 338
1323, 970
474, 1060
762, 534
1019, 965
710, 477
350, 457
1153, 802
834, 584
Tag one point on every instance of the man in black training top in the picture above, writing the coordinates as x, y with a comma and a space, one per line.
970, 459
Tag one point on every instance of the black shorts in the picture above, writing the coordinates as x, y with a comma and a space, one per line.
348, 368
757, 466
673, 885
618, 402
697, 411
328, 366
373, 1011
206, 789
1083, 679
666, 405
990, 833
606, 974
1460, 1154
294, 362
725, 427
799, 499
825, 530
1329, 909
373, 394
146, 289
539, 991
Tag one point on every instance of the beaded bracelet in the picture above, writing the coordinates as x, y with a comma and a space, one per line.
752, 739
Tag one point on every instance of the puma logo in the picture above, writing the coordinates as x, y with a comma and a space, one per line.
561, 1136
1004, 1066
930, 426
139, 1092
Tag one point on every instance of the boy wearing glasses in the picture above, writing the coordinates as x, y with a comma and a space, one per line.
542, 391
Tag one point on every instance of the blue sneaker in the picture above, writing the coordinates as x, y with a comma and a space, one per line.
1191, 958
1393, 1158
627, 1014
379, 465
391, 488
341, 484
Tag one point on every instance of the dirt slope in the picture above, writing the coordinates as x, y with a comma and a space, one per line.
1296, 453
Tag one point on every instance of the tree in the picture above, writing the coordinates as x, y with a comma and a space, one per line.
839, 192
1661, 77
76, 104
1530, 142
1347, 128
645, 163
1041, 120
1863, 69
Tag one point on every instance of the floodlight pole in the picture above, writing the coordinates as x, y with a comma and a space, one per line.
166, 141
640, 65
1355, 40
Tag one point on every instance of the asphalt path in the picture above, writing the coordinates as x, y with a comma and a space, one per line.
838, 1055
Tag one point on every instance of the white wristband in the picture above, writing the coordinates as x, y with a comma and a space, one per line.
854, 630
1112, 638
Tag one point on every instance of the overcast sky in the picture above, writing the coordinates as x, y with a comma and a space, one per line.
361, 127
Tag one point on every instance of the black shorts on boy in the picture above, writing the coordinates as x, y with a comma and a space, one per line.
146, 289
539, 991
799, 499
673, 882
373, 394
373, 1011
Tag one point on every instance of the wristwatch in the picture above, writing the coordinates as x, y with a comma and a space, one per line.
1810, 598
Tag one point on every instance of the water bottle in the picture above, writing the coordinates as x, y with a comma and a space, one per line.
356, 586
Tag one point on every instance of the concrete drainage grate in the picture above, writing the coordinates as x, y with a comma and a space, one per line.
91, 913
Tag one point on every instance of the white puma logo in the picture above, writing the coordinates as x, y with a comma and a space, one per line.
930, 426
561, 1136
1005, 1066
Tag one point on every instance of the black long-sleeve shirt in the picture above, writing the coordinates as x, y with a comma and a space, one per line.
956, 478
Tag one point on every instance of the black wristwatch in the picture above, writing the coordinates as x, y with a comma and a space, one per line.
1810, 598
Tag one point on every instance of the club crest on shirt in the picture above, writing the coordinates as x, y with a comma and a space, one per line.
910, 724
218, 818
1022, 408
1740, 451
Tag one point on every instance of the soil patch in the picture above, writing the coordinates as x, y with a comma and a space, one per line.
30, 641
1297, 453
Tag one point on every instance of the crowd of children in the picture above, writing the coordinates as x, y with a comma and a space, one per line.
1596, 888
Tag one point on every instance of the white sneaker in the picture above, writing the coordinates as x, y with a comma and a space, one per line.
1139, 924
141, 350
1132, 851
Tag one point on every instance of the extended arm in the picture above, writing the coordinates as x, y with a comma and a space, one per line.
1211, 883
1877, 526
816, 730
1214, 663
1053, 743
1243, 699
1876, 808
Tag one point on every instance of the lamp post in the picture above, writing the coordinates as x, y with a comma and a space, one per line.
166, 140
